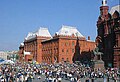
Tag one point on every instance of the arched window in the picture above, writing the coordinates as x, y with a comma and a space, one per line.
62, 59
72, 50
73, 43
67, 60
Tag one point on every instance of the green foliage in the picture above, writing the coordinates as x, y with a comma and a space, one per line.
17, 56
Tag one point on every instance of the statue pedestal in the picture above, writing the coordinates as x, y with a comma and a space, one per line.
99, 64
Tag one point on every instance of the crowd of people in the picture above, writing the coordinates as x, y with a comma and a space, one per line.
20, 72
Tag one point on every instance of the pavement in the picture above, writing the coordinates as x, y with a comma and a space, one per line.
63, 80
43, 79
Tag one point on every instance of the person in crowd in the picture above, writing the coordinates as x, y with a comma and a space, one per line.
70, 72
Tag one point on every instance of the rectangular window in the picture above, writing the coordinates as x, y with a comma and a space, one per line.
62, 50
66, 51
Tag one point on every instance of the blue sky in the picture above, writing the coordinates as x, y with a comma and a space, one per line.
18, 17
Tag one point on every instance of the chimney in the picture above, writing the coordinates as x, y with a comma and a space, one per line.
88, 37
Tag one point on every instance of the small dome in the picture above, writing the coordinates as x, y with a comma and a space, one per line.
22, 44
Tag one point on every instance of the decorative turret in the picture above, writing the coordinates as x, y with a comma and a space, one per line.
104, 3
104, 10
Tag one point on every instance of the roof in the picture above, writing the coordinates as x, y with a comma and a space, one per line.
115, 8
40, 32
22, 44
69, 31
90, 41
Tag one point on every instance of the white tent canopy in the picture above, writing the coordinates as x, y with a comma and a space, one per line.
27, 53
7, 62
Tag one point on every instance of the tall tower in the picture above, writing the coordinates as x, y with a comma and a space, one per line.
105, 34
102, 24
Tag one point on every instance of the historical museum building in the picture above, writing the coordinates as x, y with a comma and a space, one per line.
62, 47
108, 37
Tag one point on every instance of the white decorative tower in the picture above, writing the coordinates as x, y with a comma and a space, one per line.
104, 3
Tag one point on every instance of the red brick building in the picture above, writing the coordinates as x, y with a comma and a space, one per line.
59, 48
108, 27
32, 43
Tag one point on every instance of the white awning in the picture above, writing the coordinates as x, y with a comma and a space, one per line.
27, 53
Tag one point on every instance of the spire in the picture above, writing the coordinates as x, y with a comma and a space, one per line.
104, 2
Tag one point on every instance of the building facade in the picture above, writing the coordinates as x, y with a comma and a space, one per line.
108, 37
59, 48
32, 44
9, 55
3, 55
